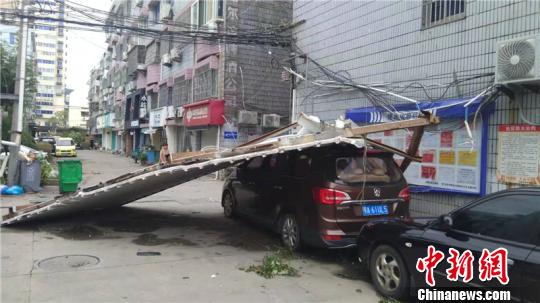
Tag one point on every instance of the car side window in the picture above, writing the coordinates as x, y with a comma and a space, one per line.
255, 163
509, 217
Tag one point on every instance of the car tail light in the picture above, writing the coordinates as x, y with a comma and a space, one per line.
332, 237
332, 234
405, 194
329, 196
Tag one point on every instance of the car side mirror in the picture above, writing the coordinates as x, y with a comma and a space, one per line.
446, 222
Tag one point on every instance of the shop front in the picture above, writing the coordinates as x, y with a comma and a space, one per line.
157, 124
174, 129
203, 121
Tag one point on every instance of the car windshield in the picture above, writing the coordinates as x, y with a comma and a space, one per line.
64, 143
370, 169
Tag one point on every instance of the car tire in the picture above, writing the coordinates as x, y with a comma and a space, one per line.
229, 205
290, 232
389, 273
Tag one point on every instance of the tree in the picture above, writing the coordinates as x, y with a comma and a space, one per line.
58, 120
8, 67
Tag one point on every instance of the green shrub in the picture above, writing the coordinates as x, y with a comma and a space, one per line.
143, 157
27, 140
46, 170
44, 146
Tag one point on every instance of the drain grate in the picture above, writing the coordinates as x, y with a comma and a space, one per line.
68, 262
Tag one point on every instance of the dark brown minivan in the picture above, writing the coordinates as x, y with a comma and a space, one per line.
318, 196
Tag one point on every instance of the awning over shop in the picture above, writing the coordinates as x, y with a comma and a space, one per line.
444, 109
206, 112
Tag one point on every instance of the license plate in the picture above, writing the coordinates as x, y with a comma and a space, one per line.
375, 210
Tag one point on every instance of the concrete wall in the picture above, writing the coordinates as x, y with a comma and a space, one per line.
383, 41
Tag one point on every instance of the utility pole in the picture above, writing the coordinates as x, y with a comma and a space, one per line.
18, 110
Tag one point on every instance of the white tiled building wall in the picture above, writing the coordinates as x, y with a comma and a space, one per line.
383, 41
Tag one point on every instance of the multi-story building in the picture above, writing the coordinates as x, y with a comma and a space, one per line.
192, 93
77, 116
50, 53
442, 53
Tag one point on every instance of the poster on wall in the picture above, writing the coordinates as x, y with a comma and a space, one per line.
451, 159
518, 157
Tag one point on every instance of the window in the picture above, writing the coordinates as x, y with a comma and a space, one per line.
206, 11
181, 91
255, 163
204, 83
436, 12
154, 13
11, 38
351, 170
505, 217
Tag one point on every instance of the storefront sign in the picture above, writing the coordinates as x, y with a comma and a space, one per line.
518, 157
207, 112
100, 122
157, 117
134, 123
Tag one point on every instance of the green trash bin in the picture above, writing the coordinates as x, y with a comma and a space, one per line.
69, 174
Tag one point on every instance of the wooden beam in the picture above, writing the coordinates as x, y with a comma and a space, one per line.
396, 151
413, 147
268, 135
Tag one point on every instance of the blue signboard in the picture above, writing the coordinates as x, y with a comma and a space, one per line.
230, 135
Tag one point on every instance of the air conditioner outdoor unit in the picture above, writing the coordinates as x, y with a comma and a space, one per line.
247, 117
130, 87
166, 60
124, 56
518, 61
176, 54
179, 112
270, 121
141, 67
140, 3
166, 10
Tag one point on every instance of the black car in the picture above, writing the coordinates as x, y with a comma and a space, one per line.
510, 219
318, 196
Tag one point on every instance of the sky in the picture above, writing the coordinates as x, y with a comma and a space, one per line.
84, 49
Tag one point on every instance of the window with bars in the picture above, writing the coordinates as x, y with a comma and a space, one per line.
181, 91
204, 83
437, 12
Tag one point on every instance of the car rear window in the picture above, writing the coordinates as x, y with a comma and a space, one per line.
372, 169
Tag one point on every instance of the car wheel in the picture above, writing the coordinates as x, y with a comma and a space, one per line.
290, 232
389, 273
228, 205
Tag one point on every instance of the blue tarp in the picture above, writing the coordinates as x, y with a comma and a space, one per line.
444, 109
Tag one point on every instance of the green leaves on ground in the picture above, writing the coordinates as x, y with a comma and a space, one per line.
275, 264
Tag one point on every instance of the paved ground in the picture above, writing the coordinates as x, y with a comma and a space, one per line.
201, 254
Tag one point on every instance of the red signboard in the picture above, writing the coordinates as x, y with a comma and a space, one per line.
206, 112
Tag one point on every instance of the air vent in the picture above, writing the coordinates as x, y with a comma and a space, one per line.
271, 121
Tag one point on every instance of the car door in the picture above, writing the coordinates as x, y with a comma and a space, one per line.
244, 186
273, 186
491, 223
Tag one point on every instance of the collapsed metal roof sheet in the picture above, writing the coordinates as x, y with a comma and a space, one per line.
145, 184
